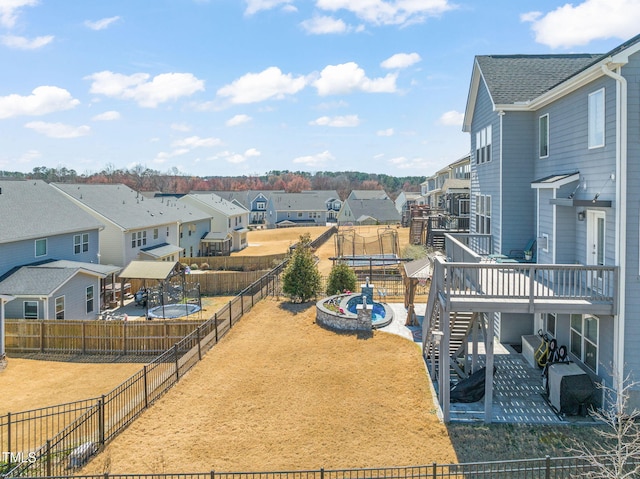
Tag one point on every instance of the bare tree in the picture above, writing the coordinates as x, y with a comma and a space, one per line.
616, 455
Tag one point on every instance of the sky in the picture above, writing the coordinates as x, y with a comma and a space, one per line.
243, 87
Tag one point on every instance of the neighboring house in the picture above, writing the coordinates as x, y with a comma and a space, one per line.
253, 200
137, 227
308, 208
456, 188
229, 222
404, 202
367, 195
556, 160
374, 211
49, 254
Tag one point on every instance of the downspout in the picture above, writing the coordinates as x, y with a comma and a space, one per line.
621, 228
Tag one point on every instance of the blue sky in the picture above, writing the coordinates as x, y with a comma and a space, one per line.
242, 87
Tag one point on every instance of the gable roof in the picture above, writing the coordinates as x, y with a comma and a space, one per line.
376, 208
215, 202
367, 194
305, 201
43, 279
515, 82
33, 209
244, 197
128, 208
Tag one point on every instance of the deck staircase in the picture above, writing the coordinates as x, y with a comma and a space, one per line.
416, 231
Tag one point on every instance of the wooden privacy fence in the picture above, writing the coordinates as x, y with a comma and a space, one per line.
94, 337
236, 263
49, 441
213, 283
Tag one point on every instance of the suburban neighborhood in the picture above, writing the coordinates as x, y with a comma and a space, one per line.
497, 295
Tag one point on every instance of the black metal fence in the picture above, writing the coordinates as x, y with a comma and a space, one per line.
544, 468
51, 441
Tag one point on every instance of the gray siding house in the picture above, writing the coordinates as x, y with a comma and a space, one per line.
372, 211
308, 208
555, 164
49, 254
137, 227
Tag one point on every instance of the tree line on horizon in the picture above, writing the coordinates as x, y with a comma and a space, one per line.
141, 178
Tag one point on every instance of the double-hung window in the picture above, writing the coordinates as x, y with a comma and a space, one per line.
584, 339
90, 299
483, 145
543, 136
81, 243
483, 214
60, 307
30, 309
596, 119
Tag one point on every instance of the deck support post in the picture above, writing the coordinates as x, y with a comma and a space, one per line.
445, 367
488, 380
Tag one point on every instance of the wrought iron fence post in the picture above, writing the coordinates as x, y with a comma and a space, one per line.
199, 348
547, 469
48, 457
212, 474
241, 303
146, 393
101, 420
322, 473
9, 439
230, 316
435, 469
175, 354
215, 318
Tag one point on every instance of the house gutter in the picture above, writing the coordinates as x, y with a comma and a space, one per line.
621, 227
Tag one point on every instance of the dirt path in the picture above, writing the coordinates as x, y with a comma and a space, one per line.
281, 393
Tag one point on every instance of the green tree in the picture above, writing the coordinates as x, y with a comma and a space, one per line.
341, 277
301, 279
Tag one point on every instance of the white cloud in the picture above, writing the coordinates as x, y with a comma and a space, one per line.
268, 84
58, 130
29, 156
403, 163
400, 60
254, 6
238, 120
180, 127
23, 43
147, 93
397, 12
451, 118
337, 121
315, 161
387, 132
107, 116
324, 25
252, 152
347, 77
102, 23
572, 25
43, 100
196, 142
9, 10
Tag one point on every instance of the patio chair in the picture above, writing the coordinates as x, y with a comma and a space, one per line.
527, 255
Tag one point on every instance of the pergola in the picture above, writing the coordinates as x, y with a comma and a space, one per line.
160, 271
414, 273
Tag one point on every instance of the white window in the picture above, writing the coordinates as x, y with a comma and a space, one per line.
584, 339
155, 233
41, 247
483, 214
483, 145
60, 307
81, 243
261, 205
30, 309
596, 119
90, 299
543, 136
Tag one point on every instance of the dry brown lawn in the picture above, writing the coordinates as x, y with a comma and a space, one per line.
278, 240
281, 393
31, 384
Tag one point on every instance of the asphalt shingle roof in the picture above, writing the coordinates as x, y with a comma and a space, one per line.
381, 210
306, 201
521, 78
33, 209
130, 209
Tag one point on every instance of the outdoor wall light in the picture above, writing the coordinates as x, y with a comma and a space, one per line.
581, 215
